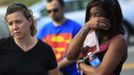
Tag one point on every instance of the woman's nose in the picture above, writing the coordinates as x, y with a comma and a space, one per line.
15, 26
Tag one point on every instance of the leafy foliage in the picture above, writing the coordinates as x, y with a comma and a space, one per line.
26, 2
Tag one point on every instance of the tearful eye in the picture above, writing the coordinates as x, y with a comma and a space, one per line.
100, 15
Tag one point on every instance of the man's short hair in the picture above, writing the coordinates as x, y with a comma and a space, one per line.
61, 2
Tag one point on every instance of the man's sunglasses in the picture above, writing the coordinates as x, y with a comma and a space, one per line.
53, 10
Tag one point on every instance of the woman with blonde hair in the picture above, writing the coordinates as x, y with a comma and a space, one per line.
22, 53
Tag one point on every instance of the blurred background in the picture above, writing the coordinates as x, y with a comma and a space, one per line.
75, 10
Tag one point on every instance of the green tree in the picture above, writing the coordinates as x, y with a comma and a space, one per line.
26, 2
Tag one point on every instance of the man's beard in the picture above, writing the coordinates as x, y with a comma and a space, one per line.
57, 19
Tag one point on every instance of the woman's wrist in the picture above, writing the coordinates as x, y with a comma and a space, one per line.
85, 30
79, 62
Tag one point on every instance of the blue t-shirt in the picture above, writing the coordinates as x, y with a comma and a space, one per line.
59, 38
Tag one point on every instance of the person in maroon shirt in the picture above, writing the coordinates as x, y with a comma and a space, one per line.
105, 18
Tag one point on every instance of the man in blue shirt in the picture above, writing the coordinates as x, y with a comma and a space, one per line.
59, 34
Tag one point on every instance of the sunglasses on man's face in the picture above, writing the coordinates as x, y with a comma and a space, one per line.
53, 10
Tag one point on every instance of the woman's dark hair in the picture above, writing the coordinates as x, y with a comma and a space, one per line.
26, 12
113, 13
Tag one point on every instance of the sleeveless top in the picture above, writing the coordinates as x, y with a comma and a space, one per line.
103, 49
